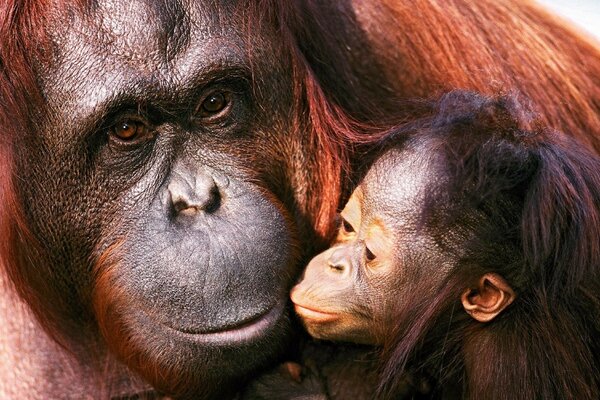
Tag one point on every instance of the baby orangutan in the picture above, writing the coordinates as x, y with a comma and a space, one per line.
470, 253
386, 245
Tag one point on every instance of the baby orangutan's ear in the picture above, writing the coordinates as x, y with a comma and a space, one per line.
488, 299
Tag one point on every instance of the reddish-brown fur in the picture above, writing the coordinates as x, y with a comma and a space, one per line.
109, 299
397, 50
428, 47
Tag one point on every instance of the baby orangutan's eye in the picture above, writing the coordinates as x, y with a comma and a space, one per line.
369, 256
346, 226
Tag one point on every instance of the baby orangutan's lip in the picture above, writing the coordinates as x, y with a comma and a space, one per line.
314, 315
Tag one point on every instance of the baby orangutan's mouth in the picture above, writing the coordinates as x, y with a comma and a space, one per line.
313, 315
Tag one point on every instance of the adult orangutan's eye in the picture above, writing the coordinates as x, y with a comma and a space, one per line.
214, 104
130, 130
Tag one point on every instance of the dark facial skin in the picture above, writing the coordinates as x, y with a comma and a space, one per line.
346, 291
161, 228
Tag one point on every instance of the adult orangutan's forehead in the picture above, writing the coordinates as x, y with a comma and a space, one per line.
165, 27
150, 35
161, 49
160, 18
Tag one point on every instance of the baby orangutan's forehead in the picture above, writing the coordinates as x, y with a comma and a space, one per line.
396, 183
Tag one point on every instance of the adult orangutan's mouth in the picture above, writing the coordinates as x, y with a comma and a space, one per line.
315, 315
248, 330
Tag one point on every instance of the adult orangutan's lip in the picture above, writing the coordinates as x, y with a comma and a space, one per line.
314, 315
247, 331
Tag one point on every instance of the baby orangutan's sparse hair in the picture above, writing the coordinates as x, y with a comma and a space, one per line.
470, 252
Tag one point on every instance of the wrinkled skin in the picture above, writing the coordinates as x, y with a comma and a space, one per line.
151, 144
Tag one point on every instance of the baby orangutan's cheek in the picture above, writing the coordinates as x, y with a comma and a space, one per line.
321, 329
327, 318
344, 329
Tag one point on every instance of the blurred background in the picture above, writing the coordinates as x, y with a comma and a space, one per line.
584, 13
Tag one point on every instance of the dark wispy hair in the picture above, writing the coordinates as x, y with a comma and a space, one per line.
526, 200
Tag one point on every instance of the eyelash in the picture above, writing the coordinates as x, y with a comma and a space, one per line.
346, 226
142, 131
369, 256
225, 96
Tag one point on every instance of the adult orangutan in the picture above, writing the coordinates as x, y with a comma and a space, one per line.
165, 165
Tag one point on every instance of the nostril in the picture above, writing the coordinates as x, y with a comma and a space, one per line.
179, 201
213, 200
190, 197
182, 206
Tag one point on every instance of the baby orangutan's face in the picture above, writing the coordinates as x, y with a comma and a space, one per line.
356, 290
339, 295
346, 292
